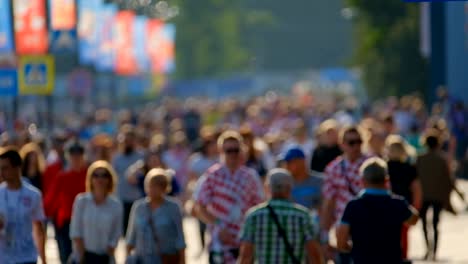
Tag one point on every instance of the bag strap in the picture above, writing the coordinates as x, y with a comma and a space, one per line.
282, 233
152, 227
344, 172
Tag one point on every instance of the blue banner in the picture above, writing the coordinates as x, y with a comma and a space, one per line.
6, 36
105, 38
87, 30
139, 44
8, 82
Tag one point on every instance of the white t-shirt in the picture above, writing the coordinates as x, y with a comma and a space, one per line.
19, 209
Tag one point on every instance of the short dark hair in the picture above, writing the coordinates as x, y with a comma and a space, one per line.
347, 130
12, 154
432, 141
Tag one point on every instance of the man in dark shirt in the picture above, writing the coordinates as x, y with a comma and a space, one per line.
371, 224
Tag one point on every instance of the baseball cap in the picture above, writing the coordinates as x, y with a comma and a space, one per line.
291, 154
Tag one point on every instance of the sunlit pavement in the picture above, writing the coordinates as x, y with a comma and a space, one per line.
453, 239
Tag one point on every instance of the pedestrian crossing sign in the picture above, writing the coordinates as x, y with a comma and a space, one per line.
36, 75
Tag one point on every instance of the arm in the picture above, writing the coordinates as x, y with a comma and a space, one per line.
77, 225
247, 250
416, 190
326, 217
203, 214
80, 248
343, 237
39, 239
117, 229
180, 241
414, 216
313, 251
131, 230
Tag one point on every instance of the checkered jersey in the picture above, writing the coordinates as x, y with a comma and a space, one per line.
228, 197
342, 182
261, 230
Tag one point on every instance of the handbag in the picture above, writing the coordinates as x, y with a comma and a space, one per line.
165, 258
282, 233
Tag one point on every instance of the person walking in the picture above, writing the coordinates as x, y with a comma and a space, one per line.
22, 235
128, 155
225, 193
436, 182
96, 222
33, 164
155, 234
342, 184
306, 190
68, 184
328, 148
403, 179
279, 231
371, 224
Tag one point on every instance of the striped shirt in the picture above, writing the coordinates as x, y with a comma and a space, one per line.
261, 230
342, 183
228, 197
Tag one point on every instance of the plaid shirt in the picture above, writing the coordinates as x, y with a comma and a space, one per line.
261, 230
228, 197
342, 183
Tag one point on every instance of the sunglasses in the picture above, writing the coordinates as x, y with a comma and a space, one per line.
354, 142
101, 175
232, 151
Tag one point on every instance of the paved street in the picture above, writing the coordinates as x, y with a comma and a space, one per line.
453, 240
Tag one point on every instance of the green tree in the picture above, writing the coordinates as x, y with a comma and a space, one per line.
210, 37
387, 35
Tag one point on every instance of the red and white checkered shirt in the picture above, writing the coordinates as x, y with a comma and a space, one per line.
342, 182
228, 197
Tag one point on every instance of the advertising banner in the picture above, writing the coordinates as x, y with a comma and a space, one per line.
6, 36
62, 14
30, 26
125, 63
106, 33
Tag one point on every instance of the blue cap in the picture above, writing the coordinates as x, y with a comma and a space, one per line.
291, 154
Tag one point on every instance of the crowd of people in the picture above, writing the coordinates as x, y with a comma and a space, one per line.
268, 180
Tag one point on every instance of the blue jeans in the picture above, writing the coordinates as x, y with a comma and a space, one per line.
62, 235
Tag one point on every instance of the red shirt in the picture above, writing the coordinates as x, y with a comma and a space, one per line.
48, 179
67, 186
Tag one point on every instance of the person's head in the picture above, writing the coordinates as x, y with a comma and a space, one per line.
374, 173
101, 178
280, 183
158, 182
294, 161
388, 124
351, 141
432, 140
59, 138
127, 138
32, 158
248, 136
328, 132
153, 159
230, 145
75, 154
208, 146
395, 148
178, 140
10, 164
102, 146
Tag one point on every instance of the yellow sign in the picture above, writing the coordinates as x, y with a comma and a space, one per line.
36, 75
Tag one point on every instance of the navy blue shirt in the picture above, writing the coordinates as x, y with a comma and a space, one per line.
375, 219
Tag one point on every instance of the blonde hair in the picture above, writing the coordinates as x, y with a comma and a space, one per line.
101, 164
397, 148
229, 135
160, 174
33, 148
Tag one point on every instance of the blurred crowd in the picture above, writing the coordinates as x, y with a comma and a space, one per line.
137, 173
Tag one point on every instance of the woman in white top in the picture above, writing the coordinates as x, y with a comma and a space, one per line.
96, 223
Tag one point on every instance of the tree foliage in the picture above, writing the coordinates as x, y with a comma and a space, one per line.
387, 34
210, 37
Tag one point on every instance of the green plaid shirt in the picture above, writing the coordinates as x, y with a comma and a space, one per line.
260, 229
